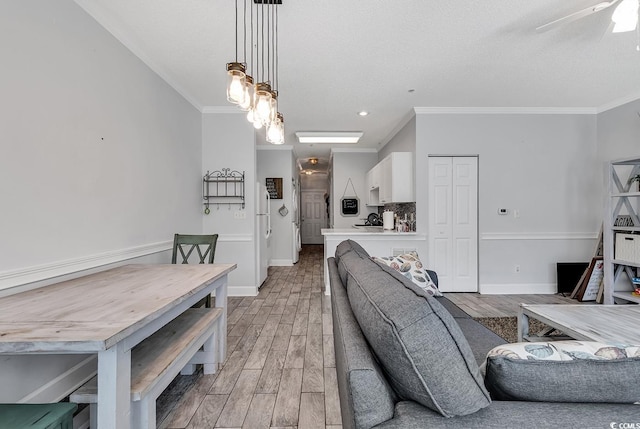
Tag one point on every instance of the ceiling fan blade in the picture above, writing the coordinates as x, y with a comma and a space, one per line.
576, 15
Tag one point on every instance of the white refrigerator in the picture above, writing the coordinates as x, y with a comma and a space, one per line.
295, 221
263, 232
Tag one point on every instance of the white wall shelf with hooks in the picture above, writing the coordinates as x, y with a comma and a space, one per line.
223, 187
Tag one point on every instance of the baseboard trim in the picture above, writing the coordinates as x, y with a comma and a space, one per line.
281, 263
242, 291
36, 273
518, 289
61, 386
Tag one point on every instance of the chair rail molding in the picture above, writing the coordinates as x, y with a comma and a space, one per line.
539, 236
23, 276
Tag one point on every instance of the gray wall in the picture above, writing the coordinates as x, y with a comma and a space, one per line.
350, 165
619, 132
277, 161
228, 141
403, 141
100, 161
544, 166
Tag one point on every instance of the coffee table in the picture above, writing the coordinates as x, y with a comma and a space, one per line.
602, 323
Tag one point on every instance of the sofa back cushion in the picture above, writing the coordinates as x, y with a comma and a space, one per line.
345, 247
418, 343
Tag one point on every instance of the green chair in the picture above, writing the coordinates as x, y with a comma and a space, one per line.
37, 416
204, 245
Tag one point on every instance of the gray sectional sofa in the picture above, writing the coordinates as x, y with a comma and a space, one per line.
407, 360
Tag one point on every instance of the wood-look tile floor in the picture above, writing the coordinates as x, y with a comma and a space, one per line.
280, 366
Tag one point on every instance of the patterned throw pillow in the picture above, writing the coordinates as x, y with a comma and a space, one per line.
563, 371
409, 265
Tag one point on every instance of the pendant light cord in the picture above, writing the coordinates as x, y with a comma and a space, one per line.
236, 31
262, 43
268, 42
251, 63
244, 34
277, 74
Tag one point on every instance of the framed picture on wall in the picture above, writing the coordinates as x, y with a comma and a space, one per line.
350, 206
274, 187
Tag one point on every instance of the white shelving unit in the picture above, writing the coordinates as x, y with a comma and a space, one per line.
621, 199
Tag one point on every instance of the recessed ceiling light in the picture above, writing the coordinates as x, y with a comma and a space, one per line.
328, 137
363, 113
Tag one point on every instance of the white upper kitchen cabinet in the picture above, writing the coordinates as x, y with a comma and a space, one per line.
397, 178
373, 179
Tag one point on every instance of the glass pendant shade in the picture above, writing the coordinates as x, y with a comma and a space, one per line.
262, 103
250, 115
247, 102
236, 81
257, 124
280, 119
625, 17
273, 108
275, 130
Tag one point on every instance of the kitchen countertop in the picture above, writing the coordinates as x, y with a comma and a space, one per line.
362, 231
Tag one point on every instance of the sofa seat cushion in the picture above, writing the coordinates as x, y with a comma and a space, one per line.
564, 371
515, 414
418, 343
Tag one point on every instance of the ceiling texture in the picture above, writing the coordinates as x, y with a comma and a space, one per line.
337, 58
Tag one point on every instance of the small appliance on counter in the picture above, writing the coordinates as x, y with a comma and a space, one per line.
372, 220
387, 220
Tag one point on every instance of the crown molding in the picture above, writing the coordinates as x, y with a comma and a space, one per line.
111, 24
355, 149
506, 110
619, 102
223, 110
400, 125
270, 146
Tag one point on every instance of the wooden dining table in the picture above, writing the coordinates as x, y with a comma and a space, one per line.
108, 313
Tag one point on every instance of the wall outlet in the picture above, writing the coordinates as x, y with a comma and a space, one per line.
516, 213
516, 268
240, 214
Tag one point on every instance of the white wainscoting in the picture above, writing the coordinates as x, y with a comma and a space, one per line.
537, 251
28, 276
517, 289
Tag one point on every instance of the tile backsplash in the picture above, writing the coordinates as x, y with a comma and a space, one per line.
400, 209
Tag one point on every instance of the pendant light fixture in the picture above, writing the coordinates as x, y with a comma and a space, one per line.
257, 92
248, 88
236, 73
263, 89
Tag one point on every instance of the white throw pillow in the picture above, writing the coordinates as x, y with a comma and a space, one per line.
409, 265
564, 371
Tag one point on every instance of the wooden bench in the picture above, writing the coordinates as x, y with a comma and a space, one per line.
37, 416
157, 360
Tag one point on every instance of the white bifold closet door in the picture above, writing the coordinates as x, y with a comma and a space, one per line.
453, 222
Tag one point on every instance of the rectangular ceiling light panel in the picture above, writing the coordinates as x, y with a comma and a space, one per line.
328, 137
